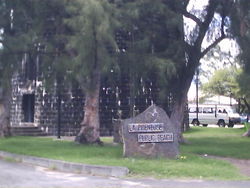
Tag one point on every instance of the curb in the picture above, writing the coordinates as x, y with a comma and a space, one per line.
98, 170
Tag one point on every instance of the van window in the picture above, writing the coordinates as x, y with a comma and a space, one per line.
193, 110
231, 110
222, 111
208, 110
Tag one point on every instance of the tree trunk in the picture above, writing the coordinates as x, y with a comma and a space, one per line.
90, 126
246, 103
5, 113
179, 106
247, 134
177, 117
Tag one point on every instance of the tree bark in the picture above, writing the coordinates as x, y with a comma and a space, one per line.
183, 84
246, 103
194, 54
247, 134
177, 116
5, 113
90, 126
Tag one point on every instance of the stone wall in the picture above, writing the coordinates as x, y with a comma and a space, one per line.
115, 103
20, 88
71, 112
46, 107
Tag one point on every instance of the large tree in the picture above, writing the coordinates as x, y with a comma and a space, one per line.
14, 25
210, 22
158, 43
241, 30
29, 29
42, 29
92, 23
152, 45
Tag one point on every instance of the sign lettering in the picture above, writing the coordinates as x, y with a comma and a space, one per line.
145, 127
158, 137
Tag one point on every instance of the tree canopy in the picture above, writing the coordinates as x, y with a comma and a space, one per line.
241, 31
223, 82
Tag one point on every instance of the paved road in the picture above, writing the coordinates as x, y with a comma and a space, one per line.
13, 175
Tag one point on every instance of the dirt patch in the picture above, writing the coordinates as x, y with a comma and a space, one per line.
242, 164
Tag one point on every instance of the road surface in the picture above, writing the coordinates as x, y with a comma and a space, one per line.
20, 175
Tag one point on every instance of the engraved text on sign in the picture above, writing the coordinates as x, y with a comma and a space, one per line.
159, 137
145, 127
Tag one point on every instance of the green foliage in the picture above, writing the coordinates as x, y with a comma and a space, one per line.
25, 27
93, 24
153, 46
223, 82
243, 80
9, 28
240, 27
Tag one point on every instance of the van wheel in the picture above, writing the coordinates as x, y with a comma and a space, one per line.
221, 123
231, 124
196, 122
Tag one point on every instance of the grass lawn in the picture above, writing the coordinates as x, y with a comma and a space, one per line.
218, 141
213, 141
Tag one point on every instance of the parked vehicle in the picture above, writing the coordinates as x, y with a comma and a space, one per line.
244, 117
221, 115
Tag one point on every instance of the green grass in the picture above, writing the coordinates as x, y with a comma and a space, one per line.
218, 141
221, 142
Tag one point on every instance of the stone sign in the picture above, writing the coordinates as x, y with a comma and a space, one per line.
150, 134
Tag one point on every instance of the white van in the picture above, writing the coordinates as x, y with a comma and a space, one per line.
221, 115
